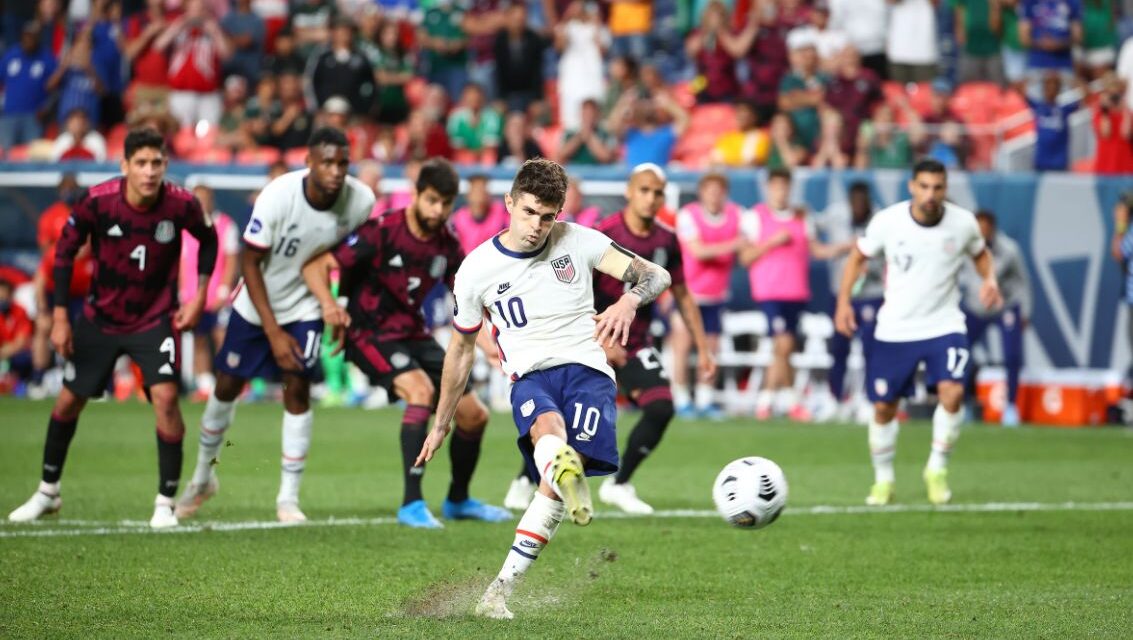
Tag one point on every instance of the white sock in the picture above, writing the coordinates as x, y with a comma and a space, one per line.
764, 399
48, 488
214, 422
945, 431
681, 395
705, 394
535, 529
296, 442
882, 449
545, 450
785, 399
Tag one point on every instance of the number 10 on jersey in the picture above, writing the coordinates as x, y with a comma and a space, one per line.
514, 314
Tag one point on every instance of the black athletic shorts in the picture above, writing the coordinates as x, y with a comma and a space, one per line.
382, 361
156, 352
643, 377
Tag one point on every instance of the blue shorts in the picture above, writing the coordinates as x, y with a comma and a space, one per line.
710, 317
782, 315
246, 352
585, 398
891, 367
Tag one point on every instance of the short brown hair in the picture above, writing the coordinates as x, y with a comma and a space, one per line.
779, 174
544, 179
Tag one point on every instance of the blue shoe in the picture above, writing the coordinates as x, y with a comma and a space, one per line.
416, 514
1010, 416
686, 412
712, 412
473, 509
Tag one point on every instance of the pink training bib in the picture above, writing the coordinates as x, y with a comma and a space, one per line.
781, 274
188, 278
472, 232
708, 280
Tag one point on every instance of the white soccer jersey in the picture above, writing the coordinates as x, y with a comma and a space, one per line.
540, 303
922, 296
285, 225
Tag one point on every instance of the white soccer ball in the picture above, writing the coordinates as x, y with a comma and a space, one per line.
750, 492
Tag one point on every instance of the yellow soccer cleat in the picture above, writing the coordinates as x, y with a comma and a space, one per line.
937, 483
880, 494
570, 477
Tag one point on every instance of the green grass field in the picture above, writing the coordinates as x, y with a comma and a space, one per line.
1010, 559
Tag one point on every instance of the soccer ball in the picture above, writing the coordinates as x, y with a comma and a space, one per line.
750, 492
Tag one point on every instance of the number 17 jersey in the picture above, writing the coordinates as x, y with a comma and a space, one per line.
292, 232
540, 303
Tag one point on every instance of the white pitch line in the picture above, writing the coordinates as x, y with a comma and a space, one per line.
126, 527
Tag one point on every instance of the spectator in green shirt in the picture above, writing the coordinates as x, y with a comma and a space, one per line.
445, 46
394, 69
474, 128
1099, 38
803, 90
980, 58
590, 144
1003, 19
881, 142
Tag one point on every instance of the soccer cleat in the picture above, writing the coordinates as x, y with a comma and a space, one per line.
1010, 416
40, 504
289, 512
799, 413
195, 495
416, 514
569, 476
473, 509
936, 481
493, 604
880, 494
712, 412
763, 413
624, 497
519, 494
163, 516
686, 412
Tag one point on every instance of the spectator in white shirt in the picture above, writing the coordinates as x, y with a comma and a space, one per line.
865, 23
912, 43
78, 141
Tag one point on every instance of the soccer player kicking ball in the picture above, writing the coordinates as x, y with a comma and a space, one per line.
536, 282
134, 224
276, 326
638, 365
926, 242
387, 267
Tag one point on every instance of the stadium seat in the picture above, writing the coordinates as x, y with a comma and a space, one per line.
815, 330
295, 157
976, 102
257, 156
184, 142
116, 142
210, 155
751, 324
1011, 106
18, 153
550, 139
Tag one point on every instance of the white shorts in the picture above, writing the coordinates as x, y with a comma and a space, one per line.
191, 107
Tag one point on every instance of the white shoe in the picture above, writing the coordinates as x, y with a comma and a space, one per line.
289, 512
163, 516
195, 495
38, 505
624, 497
493, 604
519, 494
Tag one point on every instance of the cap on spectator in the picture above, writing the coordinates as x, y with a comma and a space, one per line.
800, 38
337, 105
942, 85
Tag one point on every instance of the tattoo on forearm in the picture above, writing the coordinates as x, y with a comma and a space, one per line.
649, 280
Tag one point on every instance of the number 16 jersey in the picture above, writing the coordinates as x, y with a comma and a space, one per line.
540, 303
292, 232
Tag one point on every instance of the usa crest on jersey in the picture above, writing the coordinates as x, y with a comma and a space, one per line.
564, 269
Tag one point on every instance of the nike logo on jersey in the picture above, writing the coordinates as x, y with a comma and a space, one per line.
115, 232
293, 227
503, 287
396, 261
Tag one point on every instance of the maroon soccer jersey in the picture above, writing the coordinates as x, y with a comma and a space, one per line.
659, 247
136, 253
387, 272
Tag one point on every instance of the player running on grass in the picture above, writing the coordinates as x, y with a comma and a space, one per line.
925, 241
640, 373
387, 267
535, 280
134, 223
276, 326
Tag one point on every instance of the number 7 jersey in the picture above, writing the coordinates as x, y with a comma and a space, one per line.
292, 232
540, 303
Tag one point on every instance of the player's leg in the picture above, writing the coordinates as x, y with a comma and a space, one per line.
643, 380
946, 365
416, 388
203, 378
298, 421
890, 371
464, 452
680, 343
1011, 328
839, 355
711, 316
170, 452
85, 375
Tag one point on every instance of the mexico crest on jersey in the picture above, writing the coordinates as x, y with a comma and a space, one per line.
564, 269
437, 268
164, 232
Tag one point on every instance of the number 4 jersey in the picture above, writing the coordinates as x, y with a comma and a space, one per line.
292, 231
540, 303
922, 264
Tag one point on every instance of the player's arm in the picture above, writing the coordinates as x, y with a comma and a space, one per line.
459, 358
844, 320
71, 240
284, 347
200, 227
649, 281
750, 249
690, 313
990, 297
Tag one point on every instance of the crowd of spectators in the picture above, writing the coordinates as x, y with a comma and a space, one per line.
823, 83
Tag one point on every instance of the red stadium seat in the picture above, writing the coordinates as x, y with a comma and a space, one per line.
259, 155
550, 139
976, 102
116, 142
184, 142
211, 155
1085, 165
18, 153
295, 157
